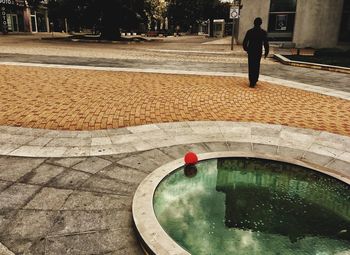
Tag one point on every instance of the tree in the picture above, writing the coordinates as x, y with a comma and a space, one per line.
187, 13
155, 11
109, 15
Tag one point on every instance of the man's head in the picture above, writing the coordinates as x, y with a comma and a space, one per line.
257, 22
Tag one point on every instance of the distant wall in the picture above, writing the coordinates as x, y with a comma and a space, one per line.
252, 9
317, 23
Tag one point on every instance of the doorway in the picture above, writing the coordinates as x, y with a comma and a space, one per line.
281, 20
34, 23
12, 23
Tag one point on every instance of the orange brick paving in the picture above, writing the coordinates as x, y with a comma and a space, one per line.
69, 99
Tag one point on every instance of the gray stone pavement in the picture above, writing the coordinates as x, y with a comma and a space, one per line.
82, 205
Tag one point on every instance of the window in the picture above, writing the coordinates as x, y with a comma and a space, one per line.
281, 19
283, 5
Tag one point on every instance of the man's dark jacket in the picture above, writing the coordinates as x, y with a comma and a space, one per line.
254, 40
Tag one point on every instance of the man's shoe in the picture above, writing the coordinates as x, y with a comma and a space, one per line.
252, 85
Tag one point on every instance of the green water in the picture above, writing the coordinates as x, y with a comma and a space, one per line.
252, 206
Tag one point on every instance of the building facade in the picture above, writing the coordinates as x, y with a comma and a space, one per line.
306, 23
18, 16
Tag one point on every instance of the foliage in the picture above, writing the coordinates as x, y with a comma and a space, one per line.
109, 16
187, 13
106, 15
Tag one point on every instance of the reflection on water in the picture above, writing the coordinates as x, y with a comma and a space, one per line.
253, 206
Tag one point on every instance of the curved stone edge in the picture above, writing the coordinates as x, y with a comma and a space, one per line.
4, 250
23, 142
277, 81
147, 225
331, 68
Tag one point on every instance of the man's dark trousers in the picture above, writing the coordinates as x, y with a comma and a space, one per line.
254, 59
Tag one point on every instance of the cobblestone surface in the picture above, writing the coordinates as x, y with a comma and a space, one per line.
68, 99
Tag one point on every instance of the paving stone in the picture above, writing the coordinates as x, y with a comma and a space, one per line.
345, 156
30, 224
69, 179
290, 153
197, 148
155, 134
25, 246
265, 140
17, 195
43, 174
6, 217
4, 185
206, 129
219, 146
92, 165
123, 173
4, 250
91, 243
103, 150
324, 150
52, 151
26, 151
49, 199
333, 141
340, 165
178, 131
72, 222
6, 148
13, 168
40, 141
82, 200
119, 131
236, 146
65, 142
66, 162
265, 149
99, 184
121, 139
101, 141
271, 131
160, 142
117, 157
143, 128
317, 159
296, 140
175, 152
16, 139
146, 161
77, 152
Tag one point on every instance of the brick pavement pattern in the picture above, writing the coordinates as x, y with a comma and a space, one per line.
67, 99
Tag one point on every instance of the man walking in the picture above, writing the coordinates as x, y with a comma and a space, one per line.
253, 43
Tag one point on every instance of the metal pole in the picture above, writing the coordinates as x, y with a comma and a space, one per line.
233, 33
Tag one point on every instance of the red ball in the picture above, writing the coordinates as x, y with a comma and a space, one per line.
191, 158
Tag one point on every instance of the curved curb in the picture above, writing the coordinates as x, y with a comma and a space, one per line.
25, 142
287, 61
154, 237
